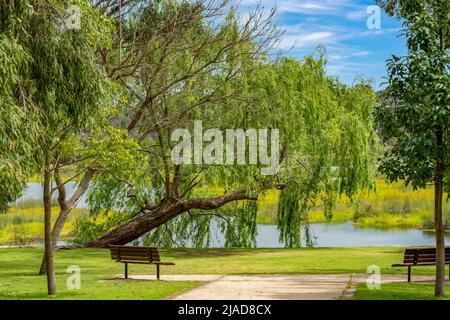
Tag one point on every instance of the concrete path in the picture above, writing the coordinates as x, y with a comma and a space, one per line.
284, 287
267, 287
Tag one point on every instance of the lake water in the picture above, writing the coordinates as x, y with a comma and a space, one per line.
348, 235
327, 235
34, 192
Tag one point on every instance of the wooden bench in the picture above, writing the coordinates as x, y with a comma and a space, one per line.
138, 255
421, 257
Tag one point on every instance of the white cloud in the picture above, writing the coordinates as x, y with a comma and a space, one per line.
340, 57
308, 7
357, 15
301, 40
303, 7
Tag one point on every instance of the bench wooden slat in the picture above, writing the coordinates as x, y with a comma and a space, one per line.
137, 258
131, 247
429, 263
135, 261
150, 254
140, 252
137, 252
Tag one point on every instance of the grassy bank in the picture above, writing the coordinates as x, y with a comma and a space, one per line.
18, 268
391, 206
26, 224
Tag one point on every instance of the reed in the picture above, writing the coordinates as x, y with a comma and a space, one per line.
391, 206
26, 225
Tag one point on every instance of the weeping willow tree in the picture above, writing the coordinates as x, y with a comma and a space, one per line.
213, 68
327, 132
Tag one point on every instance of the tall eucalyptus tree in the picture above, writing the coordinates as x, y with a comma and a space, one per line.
415, 116
58, 84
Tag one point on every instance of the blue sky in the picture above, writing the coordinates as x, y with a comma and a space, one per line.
341, 26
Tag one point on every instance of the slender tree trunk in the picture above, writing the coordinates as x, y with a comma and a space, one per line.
439, 224
56, 232
159, 215
50, 268
65, 207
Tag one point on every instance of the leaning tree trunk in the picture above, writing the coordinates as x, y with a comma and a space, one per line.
50, 268
439, 224
159, 215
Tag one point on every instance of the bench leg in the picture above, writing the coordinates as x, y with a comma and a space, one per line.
409, 273
126, 270
157, 271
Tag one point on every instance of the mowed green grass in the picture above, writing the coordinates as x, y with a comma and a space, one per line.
19, 279
399, 291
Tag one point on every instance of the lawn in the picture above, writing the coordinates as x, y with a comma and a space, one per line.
19, 279
399, 291
18, 268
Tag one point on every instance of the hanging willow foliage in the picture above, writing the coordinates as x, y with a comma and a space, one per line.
191, 230
237, 224
290, 216
240, 230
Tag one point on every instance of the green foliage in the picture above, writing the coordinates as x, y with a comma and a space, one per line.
51, 85
415, 117
290, 217
113, 152
417, 101
328, 136
17, 129
240, 228
89, 227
